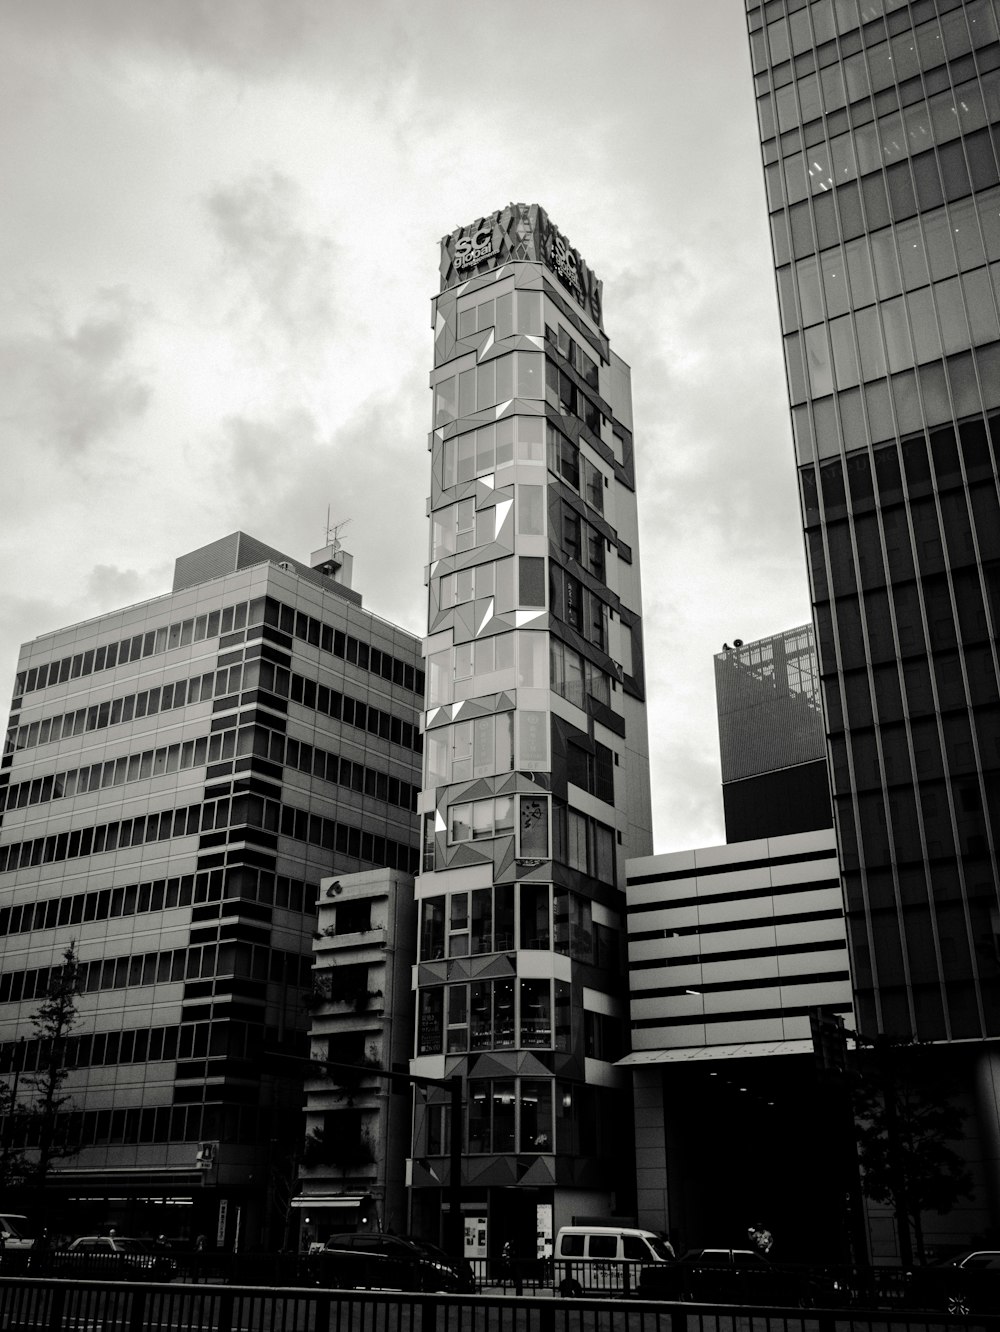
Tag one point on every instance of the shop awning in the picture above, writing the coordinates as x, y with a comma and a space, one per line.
690, 1054
341, 1201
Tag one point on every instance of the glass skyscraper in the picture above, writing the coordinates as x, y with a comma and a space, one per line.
879, 130
536, 782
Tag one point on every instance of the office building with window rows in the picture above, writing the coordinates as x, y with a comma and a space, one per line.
880, 134
177, 778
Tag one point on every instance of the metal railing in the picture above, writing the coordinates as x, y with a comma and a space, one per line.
58, 1305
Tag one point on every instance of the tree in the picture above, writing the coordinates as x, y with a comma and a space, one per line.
905, 1123
53, 1021
12, 1164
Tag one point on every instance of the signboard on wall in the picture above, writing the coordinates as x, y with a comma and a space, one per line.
475, 1236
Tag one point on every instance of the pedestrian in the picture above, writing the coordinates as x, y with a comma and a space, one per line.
760, 1238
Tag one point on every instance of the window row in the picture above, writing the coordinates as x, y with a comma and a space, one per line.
830, 18
252, 811
461, 526
577, 606
920, 250
576, 679
581, 541
930, 44
146, 703
903, 189
485, 747
494, 1015
915, 328
562, 393
330, 834
592, 770
583, 844
179, 634
928, 396
501, 661
567, 461
527, 1116
516, 375
341, 707
510, 1115
481, 451
140, 1045
355, 651
514, 312
494, 579
236, 882
197, 961
940, 119
464, 750
160, 1124
536, 916
333, 768
129, 768
570, 350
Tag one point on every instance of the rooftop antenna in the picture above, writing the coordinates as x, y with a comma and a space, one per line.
333, 530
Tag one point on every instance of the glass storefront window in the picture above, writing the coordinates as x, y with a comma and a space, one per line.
535, 915
536, 1116
432, 929
536, 1014
430, 1024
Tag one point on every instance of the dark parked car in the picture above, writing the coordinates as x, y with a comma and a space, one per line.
114, 1258
967, 1283
728, 1276
389, 1262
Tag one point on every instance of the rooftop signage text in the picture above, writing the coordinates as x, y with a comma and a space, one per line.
472, 250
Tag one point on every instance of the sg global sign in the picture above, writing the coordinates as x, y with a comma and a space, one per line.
473, 249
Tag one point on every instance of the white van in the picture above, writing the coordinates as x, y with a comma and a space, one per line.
16, 1232
605, 1259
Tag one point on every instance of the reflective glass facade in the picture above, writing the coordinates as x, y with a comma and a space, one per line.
879, 129
536, 771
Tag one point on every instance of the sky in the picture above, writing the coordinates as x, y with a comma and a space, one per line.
218, 247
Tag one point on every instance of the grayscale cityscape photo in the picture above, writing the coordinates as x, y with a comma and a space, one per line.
500, 808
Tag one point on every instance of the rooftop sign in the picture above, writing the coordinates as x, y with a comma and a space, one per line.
520, 232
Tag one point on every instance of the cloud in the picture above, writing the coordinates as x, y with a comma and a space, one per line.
282, 472
68, 387
107, 585
264, 250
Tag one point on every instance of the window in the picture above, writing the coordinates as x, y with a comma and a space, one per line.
430, 1025
531, 510
531, 581
432, 929
533, 827
510, 1115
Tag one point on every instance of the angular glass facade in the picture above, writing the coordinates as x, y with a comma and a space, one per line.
536, 770
879, 127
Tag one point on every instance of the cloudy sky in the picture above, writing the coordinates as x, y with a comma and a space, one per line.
217, 251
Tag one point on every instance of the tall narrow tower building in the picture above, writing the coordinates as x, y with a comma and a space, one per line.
536, 769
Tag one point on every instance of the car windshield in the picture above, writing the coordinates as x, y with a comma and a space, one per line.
20, 1227
131, 1245
659, 1248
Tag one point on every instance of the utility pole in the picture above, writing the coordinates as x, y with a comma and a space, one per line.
829, 1038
